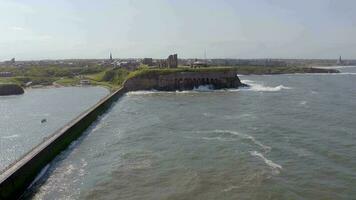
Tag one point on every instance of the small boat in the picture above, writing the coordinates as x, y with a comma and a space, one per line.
43, 121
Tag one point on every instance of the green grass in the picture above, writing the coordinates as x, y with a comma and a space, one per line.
110, 78
157, 71
4, 80
65, 81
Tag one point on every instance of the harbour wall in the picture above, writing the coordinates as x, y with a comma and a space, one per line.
18, 176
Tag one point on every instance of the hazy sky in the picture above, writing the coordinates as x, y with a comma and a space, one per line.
49, 29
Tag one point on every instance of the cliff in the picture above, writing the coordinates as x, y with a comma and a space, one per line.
10, 89
183, 80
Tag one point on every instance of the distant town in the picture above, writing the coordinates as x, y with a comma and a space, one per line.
111, 72
172, 62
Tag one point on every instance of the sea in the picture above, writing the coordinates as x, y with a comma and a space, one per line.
26, 120
290, 136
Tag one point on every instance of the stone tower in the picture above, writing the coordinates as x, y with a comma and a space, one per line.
339, 62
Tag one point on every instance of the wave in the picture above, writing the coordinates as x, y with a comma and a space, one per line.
218, 138
232, 187
141, 92
204, 88
276, 167
336, 67
262, 88
10, 136
303, 102
201, 88
241, 135
315, 74
39, 176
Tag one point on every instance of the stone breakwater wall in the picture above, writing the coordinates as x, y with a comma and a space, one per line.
18, 176
184, 81
10, 89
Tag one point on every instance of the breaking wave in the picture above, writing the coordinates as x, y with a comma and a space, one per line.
275, 167
204, 88
241, 135
262, 88
218, 138
336, 67
201, 88
141, 92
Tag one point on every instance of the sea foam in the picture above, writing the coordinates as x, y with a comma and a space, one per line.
10, 136
241, 135
262, 88
275, 167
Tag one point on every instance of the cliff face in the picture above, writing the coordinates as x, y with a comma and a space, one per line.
10, 89
184, 81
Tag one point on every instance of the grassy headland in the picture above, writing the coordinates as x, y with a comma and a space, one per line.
113, 78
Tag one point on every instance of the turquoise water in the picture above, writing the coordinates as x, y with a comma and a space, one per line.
20, 120
287, 137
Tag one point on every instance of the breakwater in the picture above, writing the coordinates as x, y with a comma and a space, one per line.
18, 176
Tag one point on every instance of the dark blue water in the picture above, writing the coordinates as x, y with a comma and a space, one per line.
288, 137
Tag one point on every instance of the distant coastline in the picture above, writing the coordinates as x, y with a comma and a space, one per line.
112, 78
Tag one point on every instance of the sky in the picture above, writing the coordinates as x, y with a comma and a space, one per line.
64, 29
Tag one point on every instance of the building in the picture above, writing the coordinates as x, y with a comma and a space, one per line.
128, 64
110, 56
172, 61
199, 64
339, 62
147, 61
84, 82
5, 74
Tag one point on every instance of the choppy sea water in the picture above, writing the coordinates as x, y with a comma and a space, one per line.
287, 137
21, 115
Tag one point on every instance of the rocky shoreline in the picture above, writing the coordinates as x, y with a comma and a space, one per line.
10, 89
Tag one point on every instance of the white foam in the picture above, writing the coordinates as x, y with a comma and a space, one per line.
218, 138
10, 136
262, 88
244, 136
40, 175
268, 162
201, 88
303, 102
335, 67
204, 88
141, 92
317, 74
232, 187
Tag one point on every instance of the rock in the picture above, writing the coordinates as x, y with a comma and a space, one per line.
10, 89
184, 81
